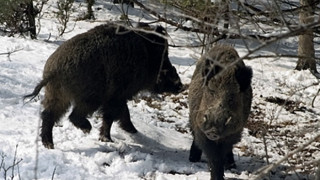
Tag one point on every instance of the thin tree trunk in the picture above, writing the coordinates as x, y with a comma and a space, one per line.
31, 14
90, 14
306, 46
226, 18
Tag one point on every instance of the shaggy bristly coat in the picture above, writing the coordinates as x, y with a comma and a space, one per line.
220, 98
100, 70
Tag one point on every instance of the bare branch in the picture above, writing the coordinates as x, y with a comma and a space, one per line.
168, 21
12, 166
266, 169
276, 56
11, 52
53, 173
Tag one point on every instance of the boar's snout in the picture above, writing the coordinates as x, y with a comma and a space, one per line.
213, 126
212, 134
169, 81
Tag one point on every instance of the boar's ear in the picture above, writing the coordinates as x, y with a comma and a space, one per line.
161, 30
210, 70
244, 76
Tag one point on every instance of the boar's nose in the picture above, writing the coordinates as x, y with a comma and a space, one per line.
178, 87
212, 134
209, 129
182, 87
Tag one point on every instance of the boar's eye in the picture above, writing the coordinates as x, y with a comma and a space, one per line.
212, 86
210, 70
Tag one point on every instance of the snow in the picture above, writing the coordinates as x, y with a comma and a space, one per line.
161, 147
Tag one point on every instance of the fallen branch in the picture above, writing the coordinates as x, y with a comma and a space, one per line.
277, 56
266, 169
11, 52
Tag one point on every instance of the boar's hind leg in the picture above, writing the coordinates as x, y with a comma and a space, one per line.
195, 153
125, 121
48, 119
53, 110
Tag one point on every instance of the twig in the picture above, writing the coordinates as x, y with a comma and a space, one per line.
313, 162
37, 151
265, 145
312, 103
296, 30
53, 173
2, 160
11, 52
266, 169
277, 56
14, 161
267, 43
178, 25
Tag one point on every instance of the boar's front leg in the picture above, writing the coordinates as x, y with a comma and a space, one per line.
215, 155
195, 153
78, 118
113, 110
125, 121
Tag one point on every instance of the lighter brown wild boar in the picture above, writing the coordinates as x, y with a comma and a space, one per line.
220, 98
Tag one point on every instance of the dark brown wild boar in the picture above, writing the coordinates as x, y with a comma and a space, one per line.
220, 98
100, 70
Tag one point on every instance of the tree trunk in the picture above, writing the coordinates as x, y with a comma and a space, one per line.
306, 45
90, 14
31, 14
226, 18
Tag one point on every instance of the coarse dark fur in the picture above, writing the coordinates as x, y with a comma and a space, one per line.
220, 98
100, 70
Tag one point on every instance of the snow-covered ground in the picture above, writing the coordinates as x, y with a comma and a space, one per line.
161, 148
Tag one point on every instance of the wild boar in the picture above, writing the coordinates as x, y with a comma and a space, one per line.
100, 70
220, 96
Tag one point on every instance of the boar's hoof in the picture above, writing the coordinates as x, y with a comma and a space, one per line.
80, 122
194, 158
229, 163
129, 129
86, 131
105, 139
48, 145
195, 153
47, 140
85, 127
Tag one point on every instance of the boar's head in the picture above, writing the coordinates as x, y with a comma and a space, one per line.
227, 95
168, 79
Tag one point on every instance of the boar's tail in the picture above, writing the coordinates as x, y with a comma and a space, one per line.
36, 90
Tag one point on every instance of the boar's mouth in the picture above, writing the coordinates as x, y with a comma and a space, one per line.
168, 86
213, 133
